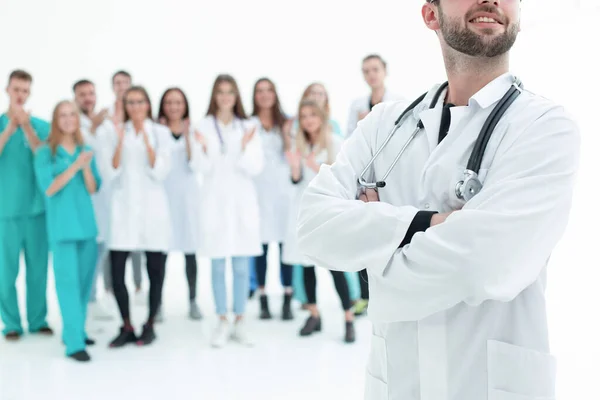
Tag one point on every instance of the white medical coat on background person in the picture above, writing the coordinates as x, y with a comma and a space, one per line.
229, 211
291, 253
459, 313
139, 209
273, 186
183, 192
362, 105
100, 199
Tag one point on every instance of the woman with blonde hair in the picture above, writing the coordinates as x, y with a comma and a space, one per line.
314, 145
66, 173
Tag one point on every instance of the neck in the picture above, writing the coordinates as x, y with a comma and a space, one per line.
266, 118
468, 75
68, 140
313, 137
225, 116
176, 126
377, 94
138, 124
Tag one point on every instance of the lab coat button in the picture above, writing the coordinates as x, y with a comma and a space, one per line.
427, 206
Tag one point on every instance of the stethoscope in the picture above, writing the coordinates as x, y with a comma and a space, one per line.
470, 185
221, 139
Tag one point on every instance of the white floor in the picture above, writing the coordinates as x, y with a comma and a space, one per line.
181, 364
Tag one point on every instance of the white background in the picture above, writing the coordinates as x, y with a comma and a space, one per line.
185, 43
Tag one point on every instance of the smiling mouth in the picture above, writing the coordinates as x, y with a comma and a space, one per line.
485, 20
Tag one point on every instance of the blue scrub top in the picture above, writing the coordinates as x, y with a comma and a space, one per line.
69, 212
19, 193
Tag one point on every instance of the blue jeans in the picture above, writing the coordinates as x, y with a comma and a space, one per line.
241, 281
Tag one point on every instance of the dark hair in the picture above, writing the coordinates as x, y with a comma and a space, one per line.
121, 72
375, 57
81, 83
20, 74
161, 110
276, 111
141, 90
238, 108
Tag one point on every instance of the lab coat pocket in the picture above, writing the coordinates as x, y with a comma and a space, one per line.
375, 389
377, 363
519, 372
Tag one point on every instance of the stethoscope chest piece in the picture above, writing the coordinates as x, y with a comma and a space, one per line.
469, 187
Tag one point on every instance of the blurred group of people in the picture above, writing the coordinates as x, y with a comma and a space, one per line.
98, 187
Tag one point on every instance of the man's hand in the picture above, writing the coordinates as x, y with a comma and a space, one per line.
437, 219
369, 196
97, 119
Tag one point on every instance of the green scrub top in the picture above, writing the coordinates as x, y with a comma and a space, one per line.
19, 193
69, 212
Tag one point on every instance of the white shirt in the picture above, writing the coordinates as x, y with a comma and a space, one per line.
459, 313
229, 213
139, 209
362, 105
273, 186
100, 199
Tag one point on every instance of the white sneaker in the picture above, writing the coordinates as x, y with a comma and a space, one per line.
220, 335
240, 334
97, 311
141, 298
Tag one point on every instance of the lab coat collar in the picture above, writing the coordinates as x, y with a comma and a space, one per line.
147, 126
493, 91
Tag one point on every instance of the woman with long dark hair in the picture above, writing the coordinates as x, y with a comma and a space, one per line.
230, 213
273, 187
139, 160
183, 189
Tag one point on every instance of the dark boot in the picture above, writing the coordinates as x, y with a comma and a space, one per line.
125, 336
147, 337
264, 307
313, 324
350, 336
286, 312
81, 356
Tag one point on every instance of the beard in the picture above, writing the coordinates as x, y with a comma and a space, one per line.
472, 44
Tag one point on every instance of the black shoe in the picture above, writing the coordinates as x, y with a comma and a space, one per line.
12, 336
82, 356
90, 342
147, 337
313, 324
251, 294
264, 307
46, 331
286, 312
124, 337
350, 336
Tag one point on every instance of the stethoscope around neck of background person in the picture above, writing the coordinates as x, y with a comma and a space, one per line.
221, 140
470, 185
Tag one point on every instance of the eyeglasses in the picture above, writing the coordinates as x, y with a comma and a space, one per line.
135, 103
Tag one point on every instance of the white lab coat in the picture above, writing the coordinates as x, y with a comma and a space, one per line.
291, 253
229, 214
273, 186
139, 209
459, 313
100, 199
363, 104
183, 192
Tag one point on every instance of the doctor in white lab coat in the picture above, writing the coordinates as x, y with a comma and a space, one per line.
139, 160
374, 69
183, 187
457, 297
229, 213
96, 128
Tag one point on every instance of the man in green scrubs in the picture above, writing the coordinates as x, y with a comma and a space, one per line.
22, 212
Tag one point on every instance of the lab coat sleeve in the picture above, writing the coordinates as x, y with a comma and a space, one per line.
200, 162
163, 150
96, 174
251, 160
335, 230
106, 145
498, 244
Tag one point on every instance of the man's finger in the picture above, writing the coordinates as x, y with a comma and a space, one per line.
372, 195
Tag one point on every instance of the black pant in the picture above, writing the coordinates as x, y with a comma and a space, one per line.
363, 278
339, 279
155, 264
191, 271
260, 264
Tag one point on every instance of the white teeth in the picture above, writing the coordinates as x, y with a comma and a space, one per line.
484, 19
